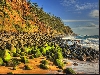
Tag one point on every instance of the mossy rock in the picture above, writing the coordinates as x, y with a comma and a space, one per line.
42, 66
69, 71
1, 61
27, 67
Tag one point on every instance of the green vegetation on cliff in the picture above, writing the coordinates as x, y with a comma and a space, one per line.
24, 16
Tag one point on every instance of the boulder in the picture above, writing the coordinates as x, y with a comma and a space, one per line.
69, 71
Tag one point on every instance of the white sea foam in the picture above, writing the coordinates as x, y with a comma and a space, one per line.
86, 41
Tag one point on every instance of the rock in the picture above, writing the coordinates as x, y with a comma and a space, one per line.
13, 49
75, 64
60, 70
69, 71
82, 58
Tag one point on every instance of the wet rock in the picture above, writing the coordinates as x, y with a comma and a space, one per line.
60, 70
69, 71
75, 64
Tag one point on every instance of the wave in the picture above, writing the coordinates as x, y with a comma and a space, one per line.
85, 40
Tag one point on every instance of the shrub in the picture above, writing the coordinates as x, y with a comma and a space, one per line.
44, 62
43, 50
16, 55
27, 67
1, 61
27, 49
22, 53
13, 62
59, 63
43, 66
10, 73
14, 68
24, 59
69, 71
59, 55
38, 53
31, 57
4, 64
29, 53
6, 55
18, 50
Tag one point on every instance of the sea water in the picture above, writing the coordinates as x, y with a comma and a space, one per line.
85, 66
89, 41
86, 40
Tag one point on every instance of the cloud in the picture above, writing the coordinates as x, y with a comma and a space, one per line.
94, 14
67, 2
77, 20
90, 25
86, 6
76, 5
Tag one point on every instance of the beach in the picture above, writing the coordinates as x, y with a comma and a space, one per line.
84, 67
34, 63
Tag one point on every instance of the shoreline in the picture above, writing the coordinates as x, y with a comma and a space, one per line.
34, 63
82, 67
52, 50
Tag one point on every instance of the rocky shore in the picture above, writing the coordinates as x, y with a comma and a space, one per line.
33, 45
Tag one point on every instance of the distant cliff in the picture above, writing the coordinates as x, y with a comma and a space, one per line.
24, 16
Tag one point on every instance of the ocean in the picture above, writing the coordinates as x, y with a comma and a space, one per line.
85, 41
89, 41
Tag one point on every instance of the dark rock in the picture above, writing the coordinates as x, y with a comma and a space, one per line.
75, 64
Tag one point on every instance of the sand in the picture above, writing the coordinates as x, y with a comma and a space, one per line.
34, 63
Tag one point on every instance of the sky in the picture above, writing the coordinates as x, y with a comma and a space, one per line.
81, 15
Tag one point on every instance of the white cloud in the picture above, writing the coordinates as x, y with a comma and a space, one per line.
76, 5
86, 6
68, 2
90, 25
94, 25
94, 13
77, 20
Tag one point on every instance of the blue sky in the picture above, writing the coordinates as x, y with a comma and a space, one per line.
81, 15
